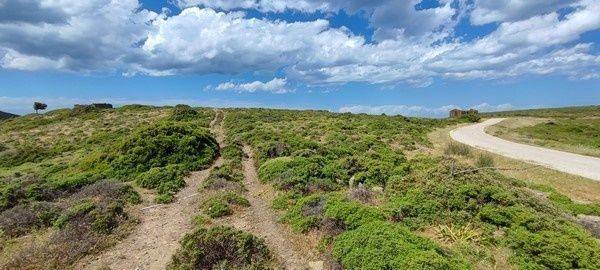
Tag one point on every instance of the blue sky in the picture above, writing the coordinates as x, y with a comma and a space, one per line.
387, 56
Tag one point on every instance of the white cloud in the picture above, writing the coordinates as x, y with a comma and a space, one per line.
412, 46
85, 36
277, 86
421, 111
488, 11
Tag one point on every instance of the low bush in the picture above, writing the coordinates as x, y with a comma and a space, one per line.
222, 248
166, 180
457, 149
383, 245
312, 211
574, 208
219, 205
162, 145
15, 190
484, 161
233, 152
24, 218
225, 177
183, 112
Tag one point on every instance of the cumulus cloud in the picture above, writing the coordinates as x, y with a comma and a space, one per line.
90, 35
411, 44
489, 11
388, 17
277, 86
30, 11
420, 111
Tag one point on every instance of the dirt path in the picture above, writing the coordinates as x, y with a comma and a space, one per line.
155, 240
474, 135
295, 251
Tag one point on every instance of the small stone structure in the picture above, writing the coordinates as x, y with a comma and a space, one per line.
457, 113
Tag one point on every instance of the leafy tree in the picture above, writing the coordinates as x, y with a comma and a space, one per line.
39, 106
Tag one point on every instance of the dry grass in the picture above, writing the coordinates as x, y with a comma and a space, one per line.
578, 188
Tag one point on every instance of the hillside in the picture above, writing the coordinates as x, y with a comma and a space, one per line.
573, 129
5, 115
569, 112
264, 189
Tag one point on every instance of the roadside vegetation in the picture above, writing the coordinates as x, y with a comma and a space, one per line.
67, 177
349, 177
575, 129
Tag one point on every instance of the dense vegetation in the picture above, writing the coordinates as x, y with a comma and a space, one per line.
64, 176
349, 176
221, 248
5, 115
68, 178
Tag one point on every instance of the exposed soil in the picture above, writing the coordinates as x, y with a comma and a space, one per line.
152, 244
294, 251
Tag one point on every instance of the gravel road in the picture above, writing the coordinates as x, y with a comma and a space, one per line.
474, 135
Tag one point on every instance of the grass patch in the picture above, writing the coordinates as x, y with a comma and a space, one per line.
457, 149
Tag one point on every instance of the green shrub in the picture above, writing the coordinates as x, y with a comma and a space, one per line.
311, 211
164, 198
24, 153
166, 180
77, 210
217, 208
183, 112
233, 152
458, 149
306, 213
473, 118
164, 144
353, 214
383, 245
484, 161
553, 245
574, 208
221, 248
219, 205
225, 177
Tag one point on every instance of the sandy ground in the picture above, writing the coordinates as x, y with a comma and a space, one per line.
152, 244
474, 135
294, 251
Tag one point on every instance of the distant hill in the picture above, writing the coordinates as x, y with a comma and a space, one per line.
5, 115
581, 111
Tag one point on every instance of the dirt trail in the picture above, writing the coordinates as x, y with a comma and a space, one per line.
155, 240
294, 251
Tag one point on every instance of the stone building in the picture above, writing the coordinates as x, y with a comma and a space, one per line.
456, 113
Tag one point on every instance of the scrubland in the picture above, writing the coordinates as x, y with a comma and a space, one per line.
371, 187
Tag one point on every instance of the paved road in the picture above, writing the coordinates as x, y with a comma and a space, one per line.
474, 135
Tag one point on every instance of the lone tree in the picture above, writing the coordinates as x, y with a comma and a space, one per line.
39, 106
